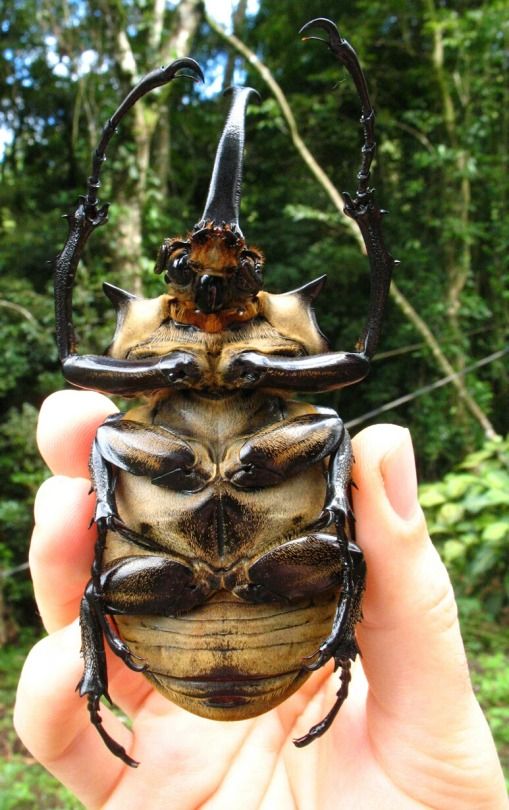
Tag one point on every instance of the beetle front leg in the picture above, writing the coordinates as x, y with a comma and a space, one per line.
123, 377
315, 373
109, 375
362, 206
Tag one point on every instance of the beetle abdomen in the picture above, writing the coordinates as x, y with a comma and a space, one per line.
229, 659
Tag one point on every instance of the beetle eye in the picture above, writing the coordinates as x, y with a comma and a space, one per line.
178, 271
250, 274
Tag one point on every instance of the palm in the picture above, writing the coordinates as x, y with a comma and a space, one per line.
254, 763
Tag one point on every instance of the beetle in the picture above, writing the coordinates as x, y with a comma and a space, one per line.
225, 568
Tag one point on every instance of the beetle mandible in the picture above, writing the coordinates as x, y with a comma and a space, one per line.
226, 567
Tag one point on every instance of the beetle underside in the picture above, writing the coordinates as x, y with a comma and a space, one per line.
226, 567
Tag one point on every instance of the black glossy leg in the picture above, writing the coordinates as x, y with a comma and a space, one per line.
94, 684
93, 604
341, 643
341, 695
96, 372
362, 207
275, 453
316, 373
298, 569
93, 624
152, 451
337, 506
129, 377
135, 585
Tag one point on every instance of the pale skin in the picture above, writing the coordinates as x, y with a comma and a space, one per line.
411, 734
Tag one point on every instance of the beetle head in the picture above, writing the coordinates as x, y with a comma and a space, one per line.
213, 269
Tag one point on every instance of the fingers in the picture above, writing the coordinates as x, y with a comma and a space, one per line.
62, 548
67, 425
52, 721
61, 552
410, 626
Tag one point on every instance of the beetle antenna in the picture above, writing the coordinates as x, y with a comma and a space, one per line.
156, 78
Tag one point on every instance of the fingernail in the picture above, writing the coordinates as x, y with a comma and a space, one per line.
400, 477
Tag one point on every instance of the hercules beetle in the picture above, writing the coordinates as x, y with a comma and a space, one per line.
225, 565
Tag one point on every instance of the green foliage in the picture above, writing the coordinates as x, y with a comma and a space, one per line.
24, 784
468, 519
488, 656
468, 516
21, 473
490, 676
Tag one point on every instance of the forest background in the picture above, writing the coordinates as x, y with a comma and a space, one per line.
437, 72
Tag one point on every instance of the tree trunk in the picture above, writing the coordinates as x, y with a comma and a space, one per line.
127, 258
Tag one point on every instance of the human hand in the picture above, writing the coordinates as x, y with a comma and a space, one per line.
411, 734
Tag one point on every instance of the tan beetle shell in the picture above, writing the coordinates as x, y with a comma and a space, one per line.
228, 658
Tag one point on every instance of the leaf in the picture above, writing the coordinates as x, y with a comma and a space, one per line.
457, 485
429, 496
484, 560
496, 531
474, 459
452, 550
450, 513
497, 479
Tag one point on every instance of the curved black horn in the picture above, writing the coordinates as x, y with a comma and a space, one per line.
156, 78
223, 201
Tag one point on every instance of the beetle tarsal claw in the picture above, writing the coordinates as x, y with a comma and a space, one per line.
122, 650
113, 746
330, 28
341, 695
315, 39
317, 660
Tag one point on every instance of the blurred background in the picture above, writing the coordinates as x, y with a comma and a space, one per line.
437, 72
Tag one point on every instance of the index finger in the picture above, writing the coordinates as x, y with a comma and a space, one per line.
67, 425
61, 550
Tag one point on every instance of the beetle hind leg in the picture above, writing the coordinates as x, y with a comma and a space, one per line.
113, 746
341, 643
341, 695
94, 682
94, 628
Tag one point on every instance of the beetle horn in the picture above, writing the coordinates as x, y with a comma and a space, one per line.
223, 201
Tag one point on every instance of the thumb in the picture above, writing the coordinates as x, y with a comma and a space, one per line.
410, 640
